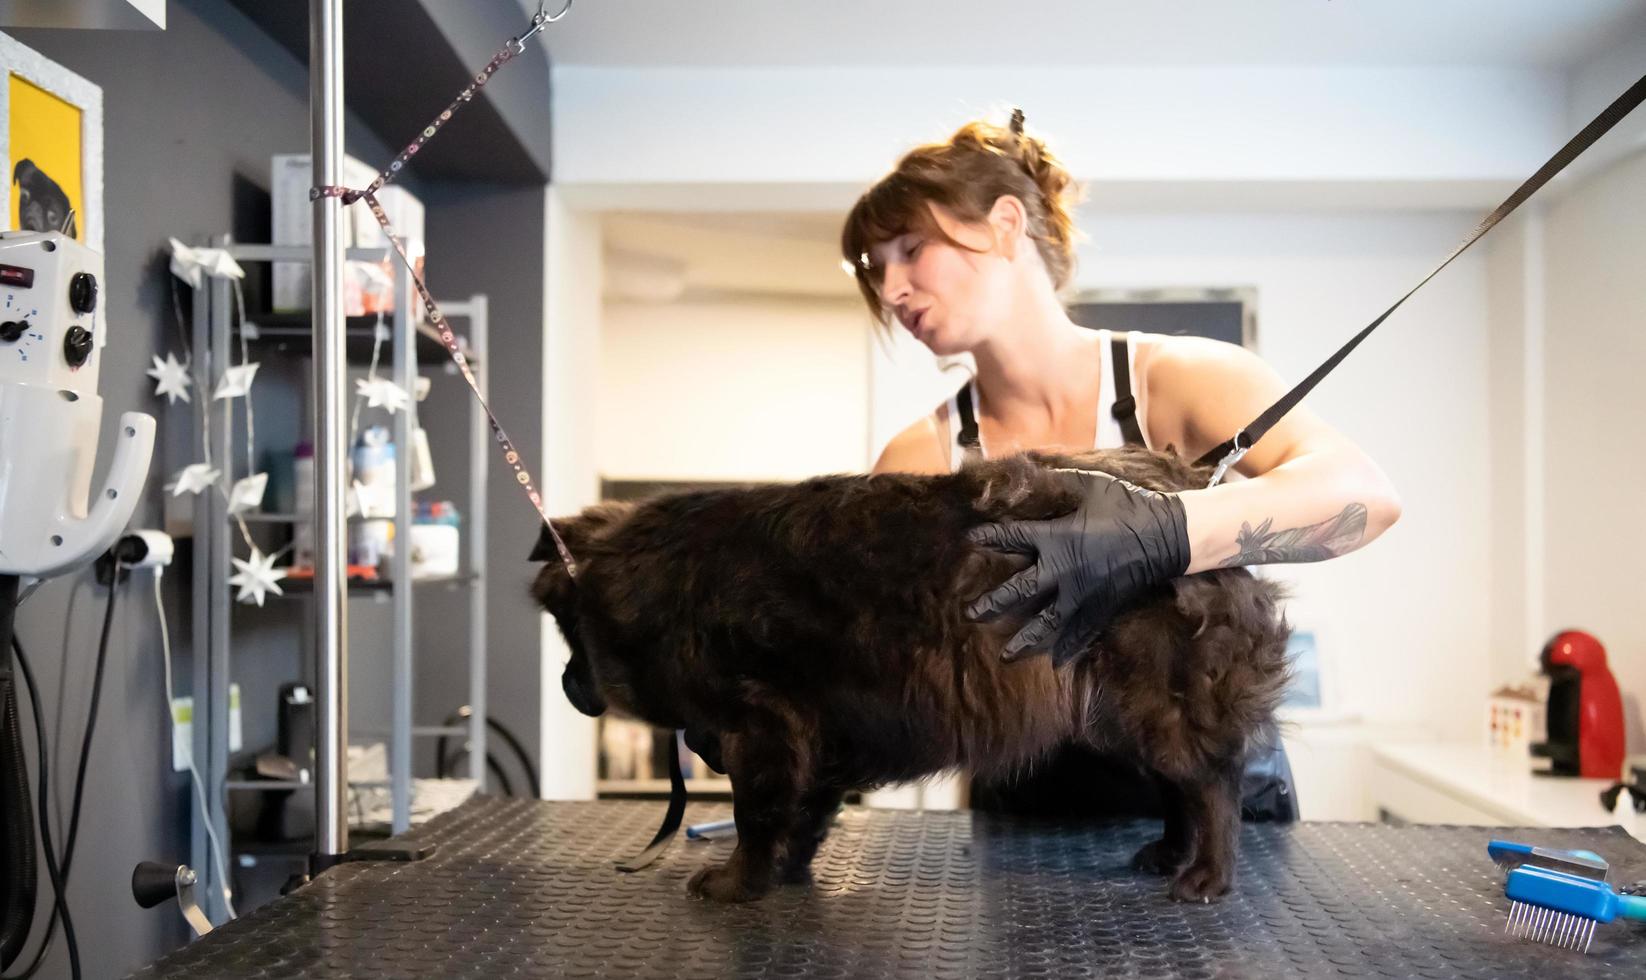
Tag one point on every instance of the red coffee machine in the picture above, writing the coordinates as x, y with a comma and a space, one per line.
1585, 713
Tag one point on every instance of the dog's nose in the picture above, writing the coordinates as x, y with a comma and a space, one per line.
584, 700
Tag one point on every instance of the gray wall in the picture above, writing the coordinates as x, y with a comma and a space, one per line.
192, 116
460, 263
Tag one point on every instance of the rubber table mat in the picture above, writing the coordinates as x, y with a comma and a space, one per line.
527, 889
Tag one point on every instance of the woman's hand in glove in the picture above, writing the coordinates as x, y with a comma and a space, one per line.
1089, 565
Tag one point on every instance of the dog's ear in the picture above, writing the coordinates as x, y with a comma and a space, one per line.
579, 530
544, 549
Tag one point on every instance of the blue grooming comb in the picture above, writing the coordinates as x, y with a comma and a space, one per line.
1562, 909
1510, 855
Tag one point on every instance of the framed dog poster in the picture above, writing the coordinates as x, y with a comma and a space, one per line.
51, 146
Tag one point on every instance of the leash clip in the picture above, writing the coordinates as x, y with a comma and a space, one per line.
540, 20
1234, 456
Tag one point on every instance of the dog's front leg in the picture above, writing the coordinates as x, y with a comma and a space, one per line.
1175, 847
1212, 812
765, 771
811, 825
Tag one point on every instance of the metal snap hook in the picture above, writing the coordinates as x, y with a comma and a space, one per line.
1234, 456
540, 20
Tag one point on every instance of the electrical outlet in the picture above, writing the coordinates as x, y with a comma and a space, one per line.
103, 569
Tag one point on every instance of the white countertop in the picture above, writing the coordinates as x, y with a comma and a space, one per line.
1504, 786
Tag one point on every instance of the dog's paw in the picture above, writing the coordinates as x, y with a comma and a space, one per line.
1202, 882
796, 874
720, 883
1158, 858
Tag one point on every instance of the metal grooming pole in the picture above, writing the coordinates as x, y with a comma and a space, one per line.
331, 558
400, 738
479, 448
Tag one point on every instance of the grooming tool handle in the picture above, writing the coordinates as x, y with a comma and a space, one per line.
1573, 895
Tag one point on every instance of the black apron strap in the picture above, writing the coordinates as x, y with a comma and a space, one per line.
1125, 406
1230, 452
971, 442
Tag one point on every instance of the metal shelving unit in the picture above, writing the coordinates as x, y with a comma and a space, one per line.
214, 343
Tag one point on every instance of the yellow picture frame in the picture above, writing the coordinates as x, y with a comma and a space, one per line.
51, 146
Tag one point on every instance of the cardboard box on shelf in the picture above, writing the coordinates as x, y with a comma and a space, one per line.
405, 214
368, 287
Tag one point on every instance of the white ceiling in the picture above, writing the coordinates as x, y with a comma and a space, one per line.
793, 254
739, 33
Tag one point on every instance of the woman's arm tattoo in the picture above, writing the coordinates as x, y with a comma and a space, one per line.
1317, 542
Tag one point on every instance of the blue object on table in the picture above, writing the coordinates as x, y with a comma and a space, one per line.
1563, 909
711, 831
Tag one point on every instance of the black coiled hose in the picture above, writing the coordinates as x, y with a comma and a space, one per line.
443, 762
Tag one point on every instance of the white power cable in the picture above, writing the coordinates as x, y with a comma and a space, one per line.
194, 774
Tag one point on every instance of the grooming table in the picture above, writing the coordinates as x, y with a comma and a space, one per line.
523, 888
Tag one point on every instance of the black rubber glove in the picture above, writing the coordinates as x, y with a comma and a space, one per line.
1089, 565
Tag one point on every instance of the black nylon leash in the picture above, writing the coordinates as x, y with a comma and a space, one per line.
1231, 450
671, 819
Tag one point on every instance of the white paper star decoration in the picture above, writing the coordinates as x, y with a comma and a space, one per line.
193, 478
172, 379
257, 575
236, 381
247, 493
382, 393
193, 265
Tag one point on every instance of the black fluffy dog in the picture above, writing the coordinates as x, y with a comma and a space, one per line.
819, 629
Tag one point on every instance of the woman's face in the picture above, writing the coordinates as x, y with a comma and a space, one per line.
949, 298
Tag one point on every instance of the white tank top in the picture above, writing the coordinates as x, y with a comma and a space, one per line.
1109, 435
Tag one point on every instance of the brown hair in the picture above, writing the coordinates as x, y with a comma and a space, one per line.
966, 174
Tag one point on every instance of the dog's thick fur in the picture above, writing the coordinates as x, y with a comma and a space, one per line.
819, 630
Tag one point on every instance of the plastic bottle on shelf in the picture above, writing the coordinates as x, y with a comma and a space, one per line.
435, 539
303, 505
371, 539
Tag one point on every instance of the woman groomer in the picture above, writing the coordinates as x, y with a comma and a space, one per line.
966, 243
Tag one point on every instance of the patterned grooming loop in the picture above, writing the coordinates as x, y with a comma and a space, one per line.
369, 194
